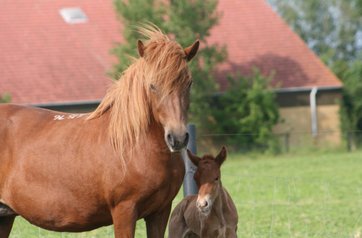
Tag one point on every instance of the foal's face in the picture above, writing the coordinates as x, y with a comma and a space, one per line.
207, 177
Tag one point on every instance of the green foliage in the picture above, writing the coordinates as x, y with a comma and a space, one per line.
250, 110
131, 14
187, 21
351, 110
5, 98
329, 27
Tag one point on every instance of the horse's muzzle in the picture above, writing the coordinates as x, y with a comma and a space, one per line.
177, 142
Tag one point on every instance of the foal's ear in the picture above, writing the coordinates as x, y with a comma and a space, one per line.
221, 157
192, 50
195, 160
141, 48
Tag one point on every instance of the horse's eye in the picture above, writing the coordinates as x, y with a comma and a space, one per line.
153, 87
217, 179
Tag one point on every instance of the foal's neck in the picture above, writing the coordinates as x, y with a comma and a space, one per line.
218, 206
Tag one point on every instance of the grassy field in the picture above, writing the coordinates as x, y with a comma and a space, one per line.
311, 195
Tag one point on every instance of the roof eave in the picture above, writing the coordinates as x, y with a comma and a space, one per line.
306, 89
71, 103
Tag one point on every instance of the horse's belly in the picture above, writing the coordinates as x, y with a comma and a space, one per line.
69, 224
62, 217
58, 209
72, 223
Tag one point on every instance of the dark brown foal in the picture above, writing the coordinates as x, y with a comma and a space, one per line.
212, 212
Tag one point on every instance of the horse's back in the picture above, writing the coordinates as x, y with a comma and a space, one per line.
16, 117
7, 110
6, 113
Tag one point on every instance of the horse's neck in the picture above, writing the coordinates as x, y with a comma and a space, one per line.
154, 138
156, 131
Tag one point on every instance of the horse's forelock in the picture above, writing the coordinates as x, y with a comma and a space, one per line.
166, 65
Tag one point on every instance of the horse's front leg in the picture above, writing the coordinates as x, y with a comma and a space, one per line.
6, 223
124, 220
156, 223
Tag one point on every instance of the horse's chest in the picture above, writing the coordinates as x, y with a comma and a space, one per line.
161, 185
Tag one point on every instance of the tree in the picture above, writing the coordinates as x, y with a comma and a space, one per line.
190, 19
187, 20
351, 110
249, 111
330, 27
131, 14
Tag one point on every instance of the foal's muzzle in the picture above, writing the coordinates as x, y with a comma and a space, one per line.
177, 142
204, 204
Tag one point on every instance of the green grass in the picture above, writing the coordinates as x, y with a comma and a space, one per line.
311, 195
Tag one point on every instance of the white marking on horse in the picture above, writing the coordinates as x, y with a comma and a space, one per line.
69, 117
58, 117
74, 116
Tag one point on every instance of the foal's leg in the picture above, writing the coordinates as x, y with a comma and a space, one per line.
231, 233
177, 226
124, 220
6, 223
156, 223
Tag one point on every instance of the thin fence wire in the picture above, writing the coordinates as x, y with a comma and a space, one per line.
287, 141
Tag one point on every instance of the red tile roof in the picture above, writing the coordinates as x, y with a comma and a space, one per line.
45, 60
256, 36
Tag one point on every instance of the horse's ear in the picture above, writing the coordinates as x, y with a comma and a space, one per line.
195, 160
141, 48
191, 51
221, 157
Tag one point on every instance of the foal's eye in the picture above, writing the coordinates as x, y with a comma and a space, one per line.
217, 179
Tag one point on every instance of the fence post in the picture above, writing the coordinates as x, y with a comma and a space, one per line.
190, 186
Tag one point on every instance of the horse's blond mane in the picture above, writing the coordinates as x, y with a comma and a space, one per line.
127, 101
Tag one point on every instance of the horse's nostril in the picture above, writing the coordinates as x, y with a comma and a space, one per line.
170, 140
186, 139
203, 204
177, 142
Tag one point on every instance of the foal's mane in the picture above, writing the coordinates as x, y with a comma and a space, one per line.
163, 65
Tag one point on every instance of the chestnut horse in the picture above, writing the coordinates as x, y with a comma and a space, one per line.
211, 213
121, 163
